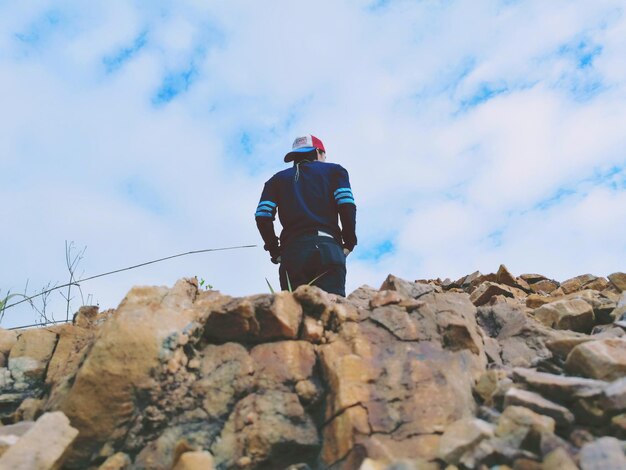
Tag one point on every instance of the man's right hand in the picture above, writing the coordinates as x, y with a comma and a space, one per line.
346, 252
276, 260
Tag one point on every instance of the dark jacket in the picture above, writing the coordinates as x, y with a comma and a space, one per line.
309, 197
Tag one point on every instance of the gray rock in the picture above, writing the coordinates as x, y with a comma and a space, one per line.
558, 387
604, 454
533, 401
409, 289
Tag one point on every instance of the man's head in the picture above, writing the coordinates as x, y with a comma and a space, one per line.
306, 147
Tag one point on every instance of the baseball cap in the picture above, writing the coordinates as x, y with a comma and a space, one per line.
303, 144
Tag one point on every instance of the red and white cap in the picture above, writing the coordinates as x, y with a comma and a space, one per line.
304, 144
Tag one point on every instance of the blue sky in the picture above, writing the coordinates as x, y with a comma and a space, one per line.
475, 133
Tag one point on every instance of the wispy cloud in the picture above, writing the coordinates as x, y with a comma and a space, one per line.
475, 133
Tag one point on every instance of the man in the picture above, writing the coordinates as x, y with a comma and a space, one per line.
309, 197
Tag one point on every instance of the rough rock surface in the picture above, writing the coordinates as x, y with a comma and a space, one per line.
482, 372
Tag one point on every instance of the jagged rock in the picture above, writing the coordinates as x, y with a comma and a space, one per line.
130, 346
618, 280
30, 355
604, 454
602, 359
533, 401
461, 436
287, 366
386, 297
544, 286
195, 460
503, 276
537, 300
379, 384
492, 383
71, 347
559, 459
314, 300
408, 289
577, 283
521, 426
575, 315
522, 339
270, 429
43, 446
118, 461
487, 290
558, 387
613, 396
255, 319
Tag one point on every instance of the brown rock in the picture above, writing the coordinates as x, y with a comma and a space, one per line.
562, 346
533, 278
533, 401
70, 350
8, 338
503, 276
118, 368
577, 283
603, 359
258, 318
54, 431
491, 383
605, 453
618, 280
314, 300
30, 355
386, 297
11, 433
519, 424
282, 364
461, 436
87, 316
195, 460
487, 290
575, 315
29, 410
406, 288
537, 300
544, 286
118, 461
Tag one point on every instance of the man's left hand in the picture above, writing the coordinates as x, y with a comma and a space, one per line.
276, 260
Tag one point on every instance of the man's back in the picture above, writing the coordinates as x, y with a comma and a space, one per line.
309, 198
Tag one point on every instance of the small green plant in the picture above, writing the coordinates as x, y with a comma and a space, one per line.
3, 302
289, 288
203, 283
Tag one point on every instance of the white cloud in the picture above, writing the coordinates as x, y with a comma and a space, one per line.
399, 93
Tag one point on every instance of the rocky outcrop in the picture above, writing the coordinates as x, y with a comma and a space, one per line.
495, 369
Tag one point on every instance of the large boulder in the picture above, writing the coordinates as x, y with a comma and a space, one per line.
43, 447
575, 315
119, 367
603, 359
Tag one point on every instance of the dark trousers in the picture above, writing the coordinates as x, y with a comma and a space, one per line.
313, 258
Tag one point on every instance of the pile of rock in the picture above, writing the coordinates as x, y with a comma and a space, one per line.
490, 371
